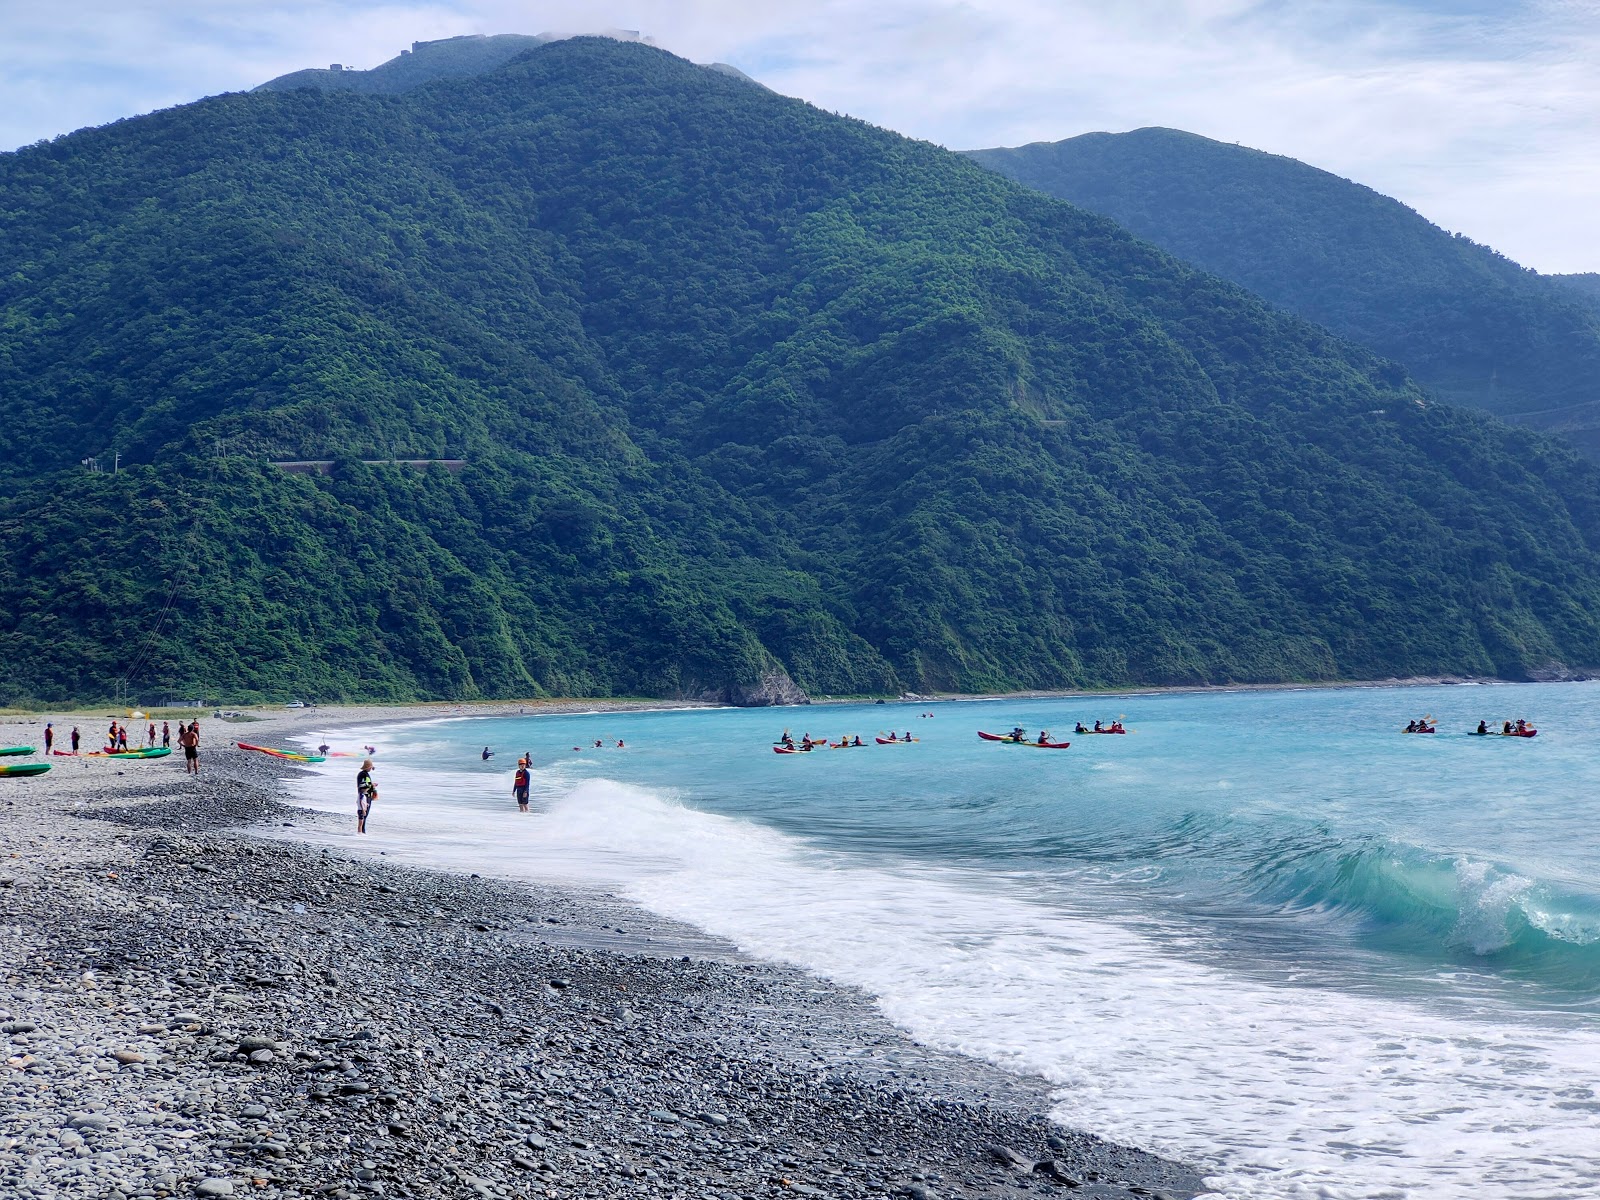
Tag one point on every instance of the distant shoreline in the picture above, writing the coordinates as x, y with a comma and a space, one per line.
340, 715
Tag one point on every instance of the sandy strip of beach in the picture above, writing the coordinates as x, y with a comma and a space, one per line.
194, 1007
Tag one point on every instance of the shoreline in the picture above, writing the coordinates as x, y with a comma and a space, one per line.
361, 712
196, 1006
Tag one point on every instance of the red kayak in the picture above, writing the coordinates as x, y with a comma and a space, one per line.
895, 741
1011, 741
1087, 732
796, 749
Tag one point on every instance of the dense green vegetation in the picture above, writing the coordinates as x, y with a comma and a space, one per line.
1465, 321
425, 62
1586, 286
742, 386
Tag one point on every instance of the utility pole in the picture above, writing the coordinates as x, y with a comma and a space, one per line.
116, 462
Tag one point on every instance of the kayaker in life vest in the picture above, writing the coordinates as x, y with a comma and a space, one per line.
1044, 736
1506, 728
1080, 728
1411, 726
1522, 726
1483, 727
1019, 734
857, 742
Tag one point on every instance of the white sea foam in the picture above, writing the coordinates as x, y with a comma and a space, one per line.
1276, 1091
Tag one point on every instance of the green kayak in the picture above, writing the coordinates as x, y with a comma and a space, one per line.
147, 752
23, 768
8, 751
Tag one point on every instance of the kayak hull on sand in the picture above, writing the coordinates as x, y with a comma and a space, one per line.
1011, 741
289, 755
147, 752
22, 769
11, 751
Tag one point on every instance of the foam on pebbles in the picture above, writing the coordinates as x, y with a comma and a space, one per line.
291, 1022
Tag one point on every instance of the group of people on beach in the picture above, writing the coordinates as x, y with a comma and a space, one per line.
50, 738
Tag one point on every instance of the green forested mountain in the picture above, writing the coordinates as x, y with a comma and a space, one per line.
1586, 286
425, 62
1467, 322
742, 388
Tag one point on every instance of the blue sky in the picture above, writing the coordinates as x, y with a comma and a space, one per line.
1480, 115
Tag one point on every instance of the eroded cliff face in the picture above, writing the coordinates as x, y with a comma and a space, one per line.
773, 688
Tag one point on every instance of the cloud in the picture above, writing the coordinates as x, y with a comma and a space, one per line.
1478, 113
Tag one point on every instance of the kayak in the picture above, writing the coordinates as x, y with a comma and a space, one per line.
8, 751
796, 749
1522, 733
1435, 729
895, 741
291, 755
1088, 732
23, 768
1011, 741
144, 752
65, 753
846, 745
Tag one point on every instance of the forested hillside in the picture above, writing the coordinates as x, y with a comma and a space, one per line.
1469, 323
743, 389
1585, 286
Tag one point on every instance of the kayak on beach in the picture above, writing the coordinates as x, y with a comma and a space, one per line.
20, 769
8, 751
145, 752
1008, 740
291, 755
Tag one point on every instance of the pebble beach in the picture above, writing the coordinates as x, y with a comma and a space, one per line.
194, 1005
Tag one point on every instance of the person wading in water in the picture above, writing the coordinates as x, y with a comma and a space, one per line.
366, 793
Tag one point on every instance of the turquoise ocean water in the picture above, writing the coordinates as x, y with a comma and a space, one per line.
1263, 932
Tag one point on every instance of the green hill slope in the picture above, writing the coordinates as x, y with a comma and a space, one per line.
425, 62
1467, 322
743, 389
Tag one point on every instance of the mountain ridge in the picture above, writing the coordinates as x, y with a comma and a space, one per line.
1468, 322
746, 393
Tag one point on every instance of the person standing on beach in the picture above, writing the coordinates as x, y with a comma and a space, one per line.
366, 793
166, 736
190, 741
49, 737
74, 739
519, 785
150, 735
122, 737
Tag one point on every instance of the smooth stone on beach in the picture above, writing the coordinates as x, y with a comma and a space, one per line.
127, 1057
212, 1186
262, 1056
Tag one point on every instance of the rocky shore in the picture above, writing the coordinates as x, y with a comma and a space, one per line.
191, 1007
